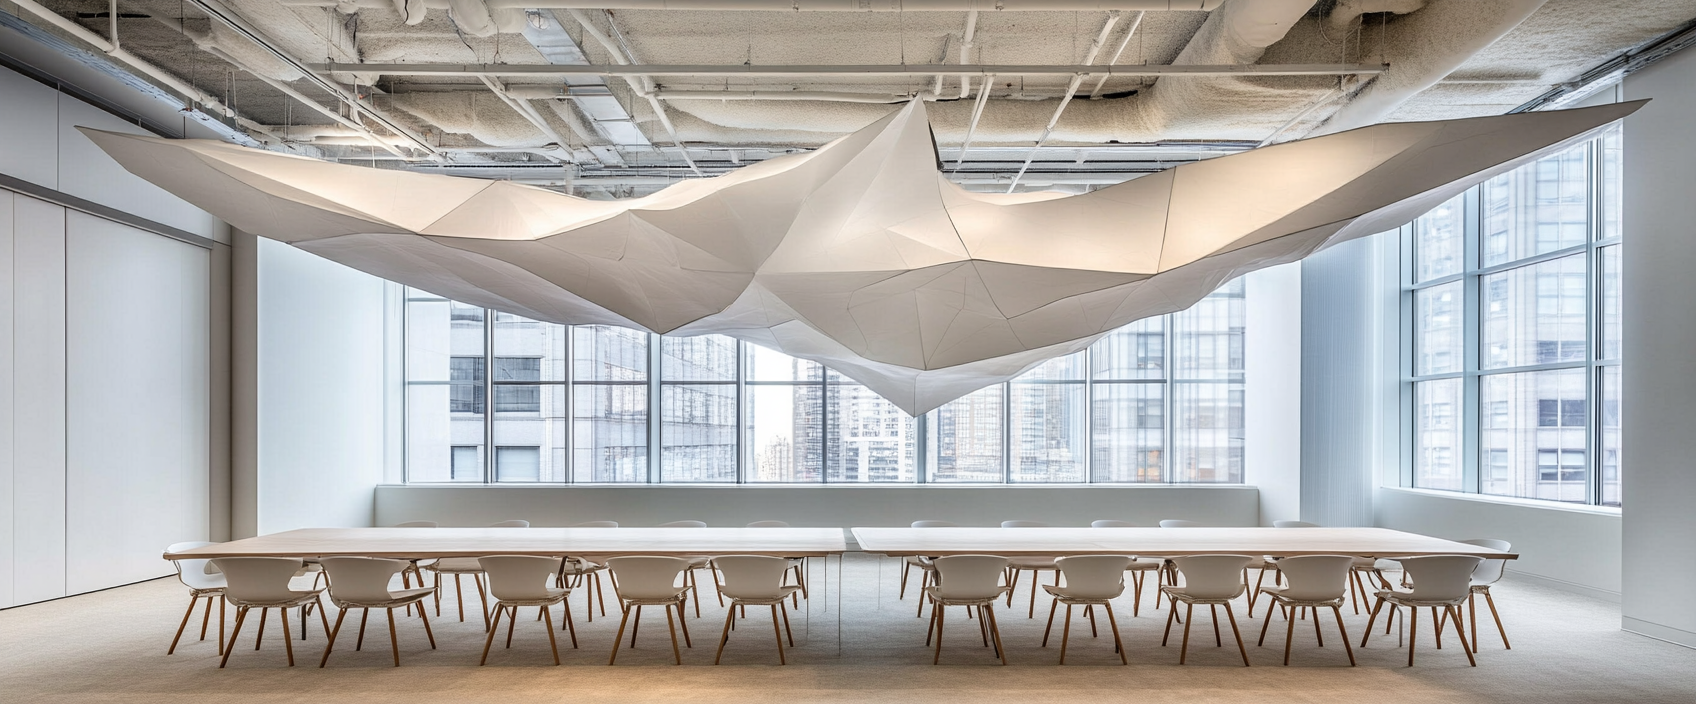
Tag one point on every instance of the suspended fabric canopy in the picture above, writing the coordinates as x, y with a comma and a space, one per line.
860, 255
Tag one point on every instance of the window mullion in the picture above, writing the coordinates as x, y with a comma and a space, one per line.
1469, 415
488, 396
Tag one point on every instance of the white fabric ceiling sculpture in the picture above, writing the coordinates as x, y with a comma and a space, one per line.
861, 254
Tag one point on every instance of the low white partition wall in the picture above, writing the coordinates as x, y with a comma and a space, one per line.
846, 506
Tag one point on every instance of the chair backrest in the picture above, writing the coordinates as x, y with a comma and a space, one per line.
258, 579
1176, 523
1212, 576
751, 576
970, 576
1294, 524
361, 579
1094, 576
647, 576
596, 524
768, 524
1316, 577
1110, 523
1440, 577
418, 524
519, 577
193, 573
684, 524
1023, 524
935, 524
1490, 571
514, 523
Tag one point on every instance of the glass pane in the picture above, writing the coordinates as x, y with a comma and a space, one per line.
1129, 427
698, 432
1437, 435
701, 358
1609, 346
1612, 147
1136, 351
606, 353
1440, 240
530, 419
1531, 436
1610, 441
786, 433
526, 350
965, 438
1540, 207
437, 332
1067, 368
1535, 314
1207, 440
771, 365
610, 433
444, 437
1207, 339
1048, 423
1438, 336
870, 439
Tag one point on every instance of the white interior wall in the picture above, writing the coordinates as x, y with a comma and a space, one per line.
321, 397
1660, 352
1272, 399
104, 351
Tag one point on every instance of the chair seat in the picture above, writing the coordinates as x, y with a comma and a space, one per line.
1277, 593
1066, 596
554, 596
935, 594
1404, 599
658, 600
1180, 594
457, 565
1032, 562
297, 599
400, 598
763, 600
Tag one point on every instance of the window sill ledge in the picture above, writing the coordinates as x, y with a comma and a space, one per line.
1509, 501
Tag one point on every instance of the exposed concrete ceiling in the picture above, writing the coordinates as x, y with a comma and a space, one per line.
619, 135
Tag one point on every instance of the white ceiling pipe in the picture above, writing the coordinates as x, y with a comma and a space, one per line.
807, 5
640, 83
827, 96
966, 45
195, 95
367, 135
1071, 89
977, 112
639, 71
524, 110
411, 11
936, 85
1095, 93
1438, 52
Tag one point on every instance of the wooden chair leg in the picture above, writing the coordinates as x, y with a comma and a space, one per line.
1412, 633
995, 632
1491, 602
676, 655
1213, 609
1231, 615
332, 638
940, 613
192, 601
394, 640
1189, 613
426, 619
729, 615
1118, 645
570, 626
1050, 627
1343, 631
490, 640
787, 631
1065, 633
1454, 613
511, 622
483, 595
779, 635
206, 618
241, 615
548, 618
1170, 616
288, 643
1267, 624
619, 639
364, 614
905, 568
1369, 621
1136, 598
459, 596
223, 606
259, 639
1289, 638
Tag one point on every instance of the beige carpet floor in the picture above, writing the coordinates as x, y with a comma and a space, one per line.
110, 647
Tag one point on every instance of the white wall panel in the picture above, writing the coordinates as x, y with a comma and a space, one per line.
6, 442
38, 378
29, 141
1272, 393
137, 324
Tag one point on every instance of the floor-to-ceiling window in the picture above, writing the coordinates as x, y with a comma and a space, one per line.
493, 397
1513, 293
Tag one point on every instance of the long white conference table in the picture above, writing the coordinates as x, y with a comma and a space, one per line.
1162, 542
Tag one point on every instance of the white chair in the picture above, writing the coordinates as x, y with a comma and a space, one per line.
201, 585
1255, 562
1091, 581
927, 570
522, 580
1315, 581
1139, 567
1212, 580
574, 572
1438, 581
363, 583
1488, 572
973, 581
461, 566
263, 582
415, 568
1034, 564
795, 563
696, 562
645, 580
756, 580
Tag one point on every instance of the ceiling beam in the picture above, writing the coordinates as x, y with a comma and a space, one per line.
920, 70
